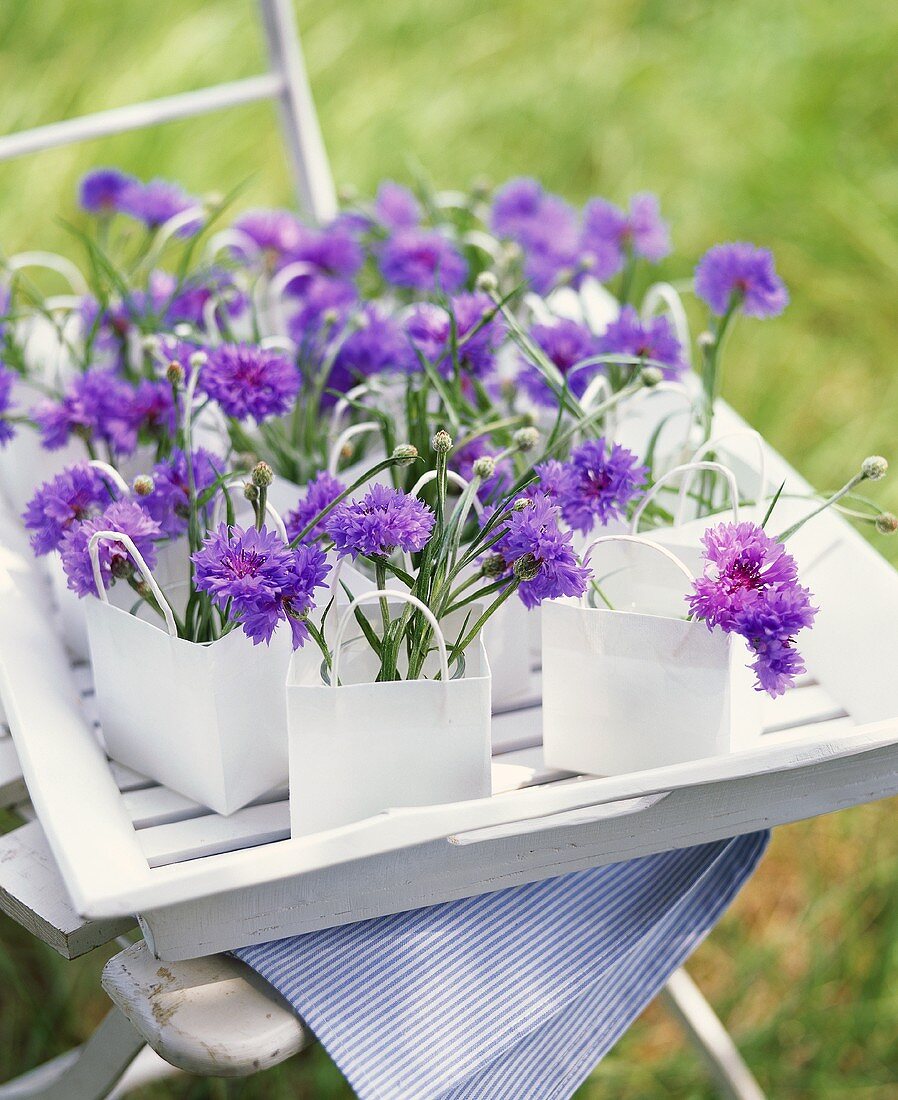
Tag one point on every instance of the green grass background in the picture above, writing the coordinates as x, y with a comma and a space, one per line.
768, 121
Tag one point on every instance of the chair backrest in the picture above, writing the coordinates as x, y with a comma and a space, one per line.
286, 82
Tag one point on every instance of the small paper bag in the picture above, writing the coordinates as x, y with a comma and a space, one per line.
208, 721
360, 748
631, 690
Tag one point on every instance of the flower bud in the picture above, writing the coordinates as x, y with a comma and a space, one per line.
526, 567
874, 468
142, 589
651, 376
513, 251
522, 503
143, 485
493, 566
525, 439
120, 567
251, 492
484, 467
330, 317
405, 454
150, 342
887, 523
442, 442
262, 475
174, 372
705, 340
198, 359
487, 283
183, 330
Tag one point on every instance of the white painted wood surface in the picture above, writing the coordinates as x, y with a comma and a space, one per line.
211, 1016
204, 883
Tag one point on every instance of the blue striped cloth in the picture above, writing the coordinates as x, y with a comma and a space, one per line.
507, 995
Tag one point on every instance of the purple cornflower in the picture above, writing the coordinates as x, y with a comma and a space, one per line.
611, 234
479, 331
275, 232
424, 260
653, 339
545, 227
168, 503
123, 516
324, 307
396, 206
603, 481
260, 581
69, 498
740, 276
186, 302
332, 251
382, 521
249, 381
556, 480
101, 191
91, 407
533, 540
7, 383
378, 345
566, 343
157, 202
750, 587
147, 409
321, 491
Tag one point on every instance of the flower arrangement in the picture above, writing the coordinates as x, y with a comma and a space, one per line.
451, 391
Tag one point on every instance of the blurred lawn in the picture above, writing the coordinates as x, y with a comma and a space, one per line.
764, 121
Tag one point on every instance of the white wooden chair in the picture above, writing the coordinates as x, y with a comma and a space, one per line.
209, 1016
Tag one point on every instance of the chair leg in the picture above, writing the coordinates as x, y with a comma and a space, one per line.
89, 1072
710, 1038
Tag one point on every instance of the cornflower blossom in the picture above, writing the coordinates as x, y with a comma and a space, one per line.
325, 306
249, 381
101, 191
600, 482
157, 202
740, 276
70, 497
7, 384
535, 549
479, 332
168, 503
91, 408
653, 339
258, 581
750, 587
544, 226
145, 409
384, 520
276, 233
332, 251
422, 260
611, 234
396, 206
123, 516
565, 343
321, 491
377, 346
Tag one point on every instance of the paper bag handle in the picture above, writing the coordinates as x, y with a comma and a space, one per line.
686, 467
93, 549
640, 540
710, 446
393, 594
111, 474
333, 458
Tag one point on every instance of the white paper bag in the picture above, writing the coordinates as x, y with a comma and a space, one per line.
632, 690
208, 721
363, 747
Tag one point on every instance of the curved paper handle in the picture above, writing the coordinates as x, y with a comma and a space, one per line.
746, 433
333, 458
456, 479
640, 540
93, 549
716, 467
342, 404
111, 474
393, 594
668, 296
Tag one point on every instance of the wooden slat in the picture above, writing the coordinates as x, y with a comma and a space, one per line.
33, 894
801, 706
155, 805
213, 833
12, 784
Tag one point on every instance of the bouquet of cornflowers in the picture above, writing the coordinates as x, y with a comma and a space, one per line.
211, 368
